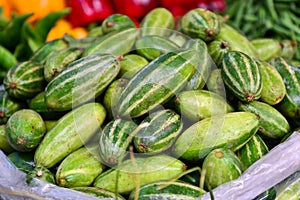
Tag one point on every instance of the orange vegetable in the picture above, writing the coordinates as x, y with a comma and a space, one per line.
62, 27
6, 8
40, 8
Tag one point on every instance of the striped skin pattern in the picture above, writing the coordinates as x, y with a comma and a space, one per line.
221, 166
70, 133
217, 49
201, 23
175, 190
157, 82
231, 130
25, 80
56, 62
252, 151
118, 43
81, 81
272, 123
115, 140
8, 106
290, 105
203, 69
241, 75
158, 132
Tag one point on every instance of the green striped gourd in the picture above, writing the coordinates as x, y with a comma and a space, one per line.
47, 49
231, 130
117, 43
241, 75
25, 80
111, 96
114, 141
290, 105
130, 65
157, 132
272, 123
69, 134
267, 48
203, 69
99, 192
217, 49
79, 168
199, 104
25, 130
40, 173
152, 23
252, 151
4, 145
273, 88
201, 23
146, 170
152, 46
221, 166
81, 81
8, 106
237, 41
56, 62
116, 22
157, 82
175, 191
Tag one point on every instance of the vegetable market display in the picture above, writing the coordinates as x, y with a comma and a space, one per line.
169, 110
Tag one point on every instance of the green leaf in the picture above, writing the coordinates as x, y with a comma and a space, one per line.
44, 25
10, 36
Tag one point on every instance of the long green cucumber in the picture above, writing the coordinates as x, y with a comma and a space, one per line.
199, 104
201, 23
146, 170
25, 80
241, 75
175, 191
99, 192
252, 151
290, 105
231, 130
215, 83
158, 132
273, 88
221, 166
272, 123
79, 168
117, 43
157, 82
83, 80
70, 133
114, 141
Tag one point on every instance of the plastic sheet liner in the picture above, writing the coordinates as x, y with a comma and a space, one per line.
281, 162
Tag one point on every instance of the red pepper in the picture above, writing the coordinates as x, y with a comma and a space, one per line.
87, 11
134, 8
